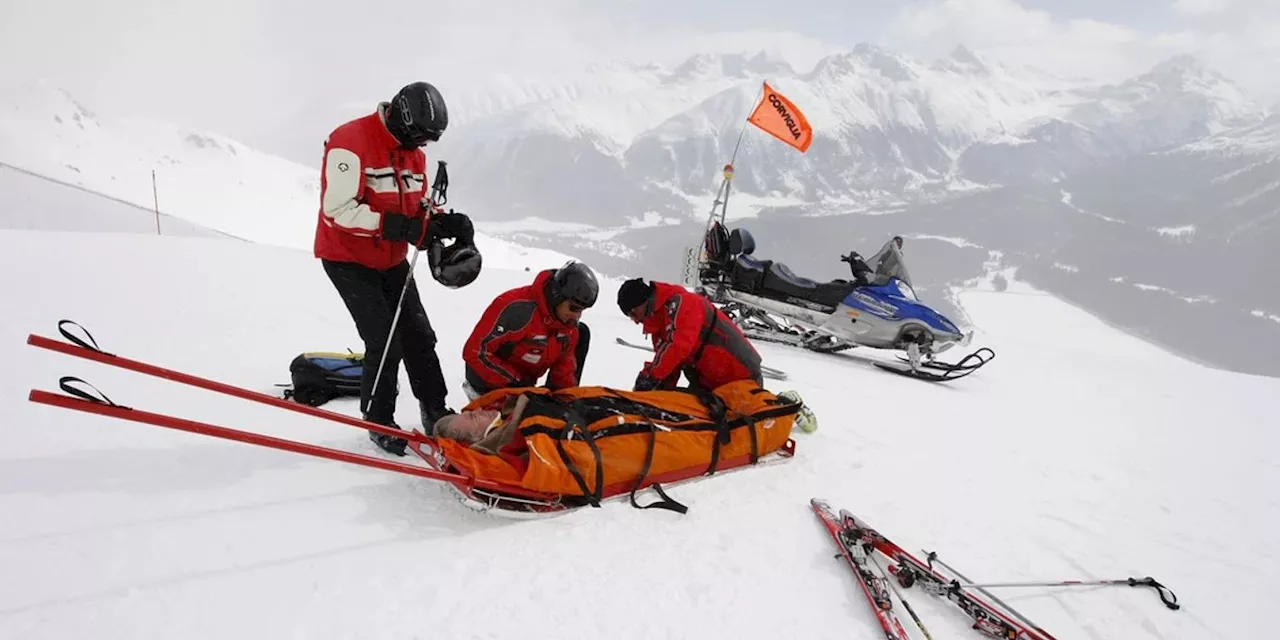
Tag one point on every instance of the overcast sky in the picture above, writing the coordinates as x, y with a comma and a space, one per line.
277, 73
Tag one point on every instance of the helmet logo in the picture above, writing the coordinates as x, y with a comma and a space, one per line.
406, 115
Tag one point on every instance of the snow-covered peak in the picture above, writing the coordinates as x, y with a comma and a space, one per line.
1179, 97
45, 106
865, 59
1262, 139
1177, 68
715, 66
964, 60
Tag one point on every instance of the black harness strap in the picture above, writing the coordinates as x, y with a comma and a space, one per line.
755, 443
724, 432
66, 334
574, 424
666, 502
65, 384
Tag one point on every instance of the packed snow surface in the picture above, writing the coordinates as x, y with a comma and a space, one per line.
1079, 452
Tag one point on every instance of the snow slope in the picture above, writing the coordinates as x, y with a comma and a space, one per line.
1080, 452
206, 178
34, 201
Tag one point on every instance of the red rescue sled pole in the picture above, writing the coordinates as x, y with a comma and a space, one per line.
191, 426
106, 407
97, 355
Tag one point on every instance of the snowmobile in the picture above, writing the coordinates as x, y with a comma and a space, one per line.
769, 302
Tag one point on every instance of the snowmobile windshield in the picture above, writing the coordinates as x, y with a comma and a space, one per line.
890, 263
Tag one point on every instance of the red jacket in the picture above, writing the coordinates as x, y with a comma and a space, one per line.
518, 339
690, 334
358, 184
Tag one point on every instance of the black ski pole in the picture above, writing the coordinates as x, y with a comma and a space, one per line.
1166, 594
439, 188
932, 556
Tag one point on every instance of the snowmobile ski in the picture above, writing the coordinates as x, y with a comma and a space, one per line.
937, 371
769, 372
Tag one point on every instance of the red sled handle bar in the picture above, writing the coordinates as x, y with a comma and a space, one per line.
113, 410
81, 349
103, 406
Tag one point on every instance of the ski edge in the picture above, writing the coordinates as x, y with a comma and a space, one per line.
885, 615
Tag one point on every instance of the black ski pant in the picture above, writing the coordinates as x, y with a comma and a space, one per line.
580, 352
371, 296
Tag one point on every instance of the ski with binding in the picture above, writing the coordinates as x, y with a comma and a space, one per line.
987, 618
871, 580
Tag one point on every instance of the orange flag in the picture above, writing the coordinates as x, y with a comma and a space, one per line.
782, 120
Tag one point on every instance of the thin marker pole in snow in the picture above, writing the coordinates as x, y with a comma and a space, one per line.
155, 197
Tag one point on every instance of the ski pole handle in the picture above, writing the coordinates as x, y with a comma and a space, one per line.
1166, 594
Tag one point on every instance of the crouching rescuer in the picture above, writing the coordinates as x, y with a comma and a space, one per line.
689, 335
532, 331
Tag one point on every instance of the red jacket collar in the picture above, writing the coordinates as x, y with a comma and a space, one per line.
383, 134
539, 289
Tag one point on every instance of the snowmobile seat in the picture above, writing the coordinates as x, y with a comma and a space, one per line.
748, 273
782, 273
782, 282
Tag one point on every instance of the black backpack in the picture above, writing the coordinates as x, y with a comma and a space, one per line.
321, 376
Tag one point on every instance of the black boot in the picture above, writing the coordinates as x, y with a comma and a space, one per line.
389, 443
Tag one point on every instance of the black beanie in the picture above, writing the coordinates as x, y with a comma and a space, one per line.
633, 293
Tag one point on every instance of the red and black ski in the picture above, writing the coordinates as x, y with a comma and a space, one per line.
988, 619
873, 582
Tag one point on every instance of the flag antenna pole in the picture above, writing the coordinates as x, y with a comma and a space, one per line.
721, 200
780, 119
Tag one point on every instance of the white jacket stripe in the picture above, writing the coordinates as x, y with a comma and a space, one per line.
382, 180
342, 185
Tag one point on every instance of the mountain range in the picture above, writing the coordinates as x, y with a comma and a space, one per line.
1152, 202
889, 131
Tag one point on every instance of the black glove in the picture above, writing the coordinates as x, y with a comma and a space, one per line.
645, 383
398, 227
452, 225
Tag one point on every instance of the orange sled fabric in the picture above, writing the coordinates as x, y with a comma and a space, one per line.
598, 442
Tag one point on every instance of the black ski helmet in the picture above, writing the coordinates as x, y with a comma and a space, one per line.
417, 115
456, 265
574, 282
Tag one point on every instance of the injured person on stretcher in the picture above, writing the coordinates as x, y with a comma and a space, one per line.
596, 442
484, 429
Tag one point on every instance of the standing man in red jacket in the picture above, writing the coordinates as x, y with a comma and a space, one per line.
689, 335
372, 207
531, 330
